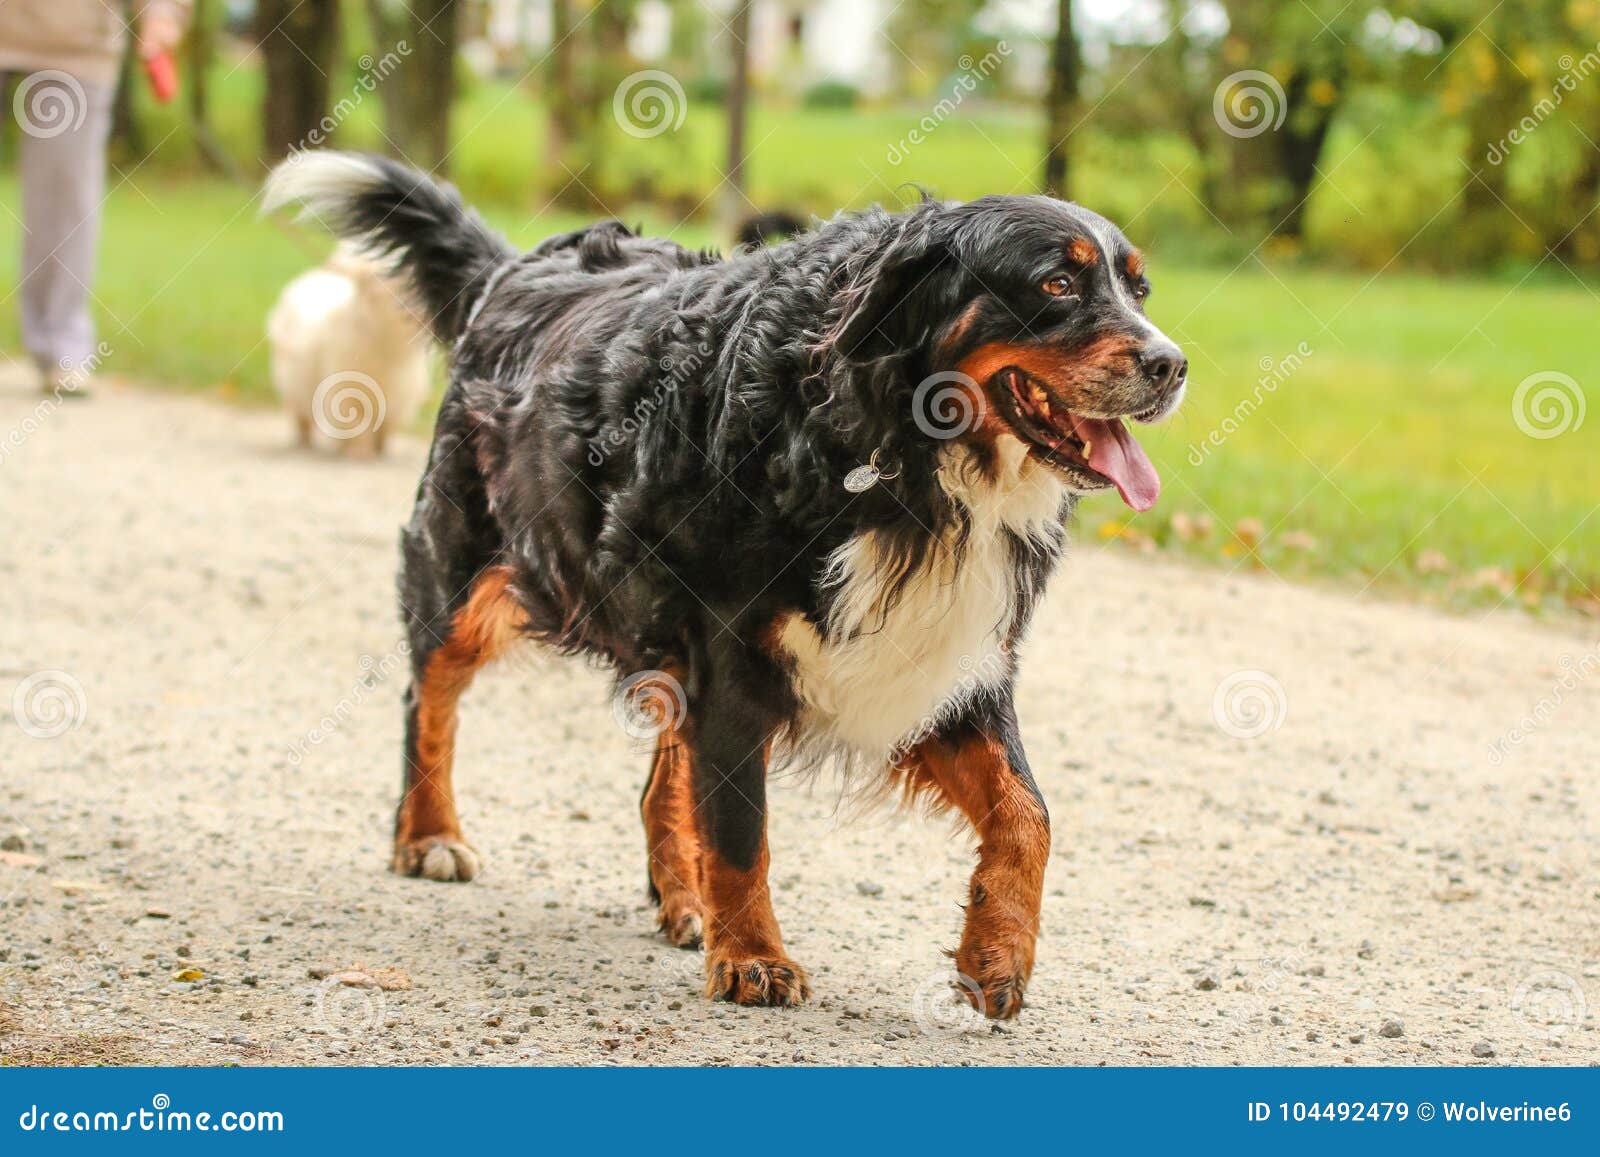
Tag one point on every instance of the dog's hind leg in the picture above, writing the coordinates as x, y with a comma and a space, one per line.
674, 845
427, 838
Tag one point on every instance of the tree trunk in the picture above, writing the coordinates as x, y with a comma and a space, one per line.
198, 54
733, 198
609, 66
1061, 104
387, 35
299, 42
560, 90
431, 78
1299, 147
198, 58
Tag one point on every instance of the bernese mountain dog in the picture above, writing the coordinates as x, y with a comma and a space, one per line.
804, 500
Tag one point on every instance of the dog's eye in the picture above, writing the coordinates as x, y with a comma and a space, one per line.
1058, 286
1141, 290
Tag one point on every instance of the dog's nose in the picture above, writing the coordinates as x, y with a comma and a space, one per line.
1164, 364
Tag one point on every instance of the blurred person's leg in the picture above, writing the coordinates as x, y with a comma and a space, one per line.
63, 183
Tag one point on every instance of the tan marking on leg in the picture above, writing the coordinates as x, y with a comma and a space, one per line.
745, 960
997, 946
674, 842
428, 839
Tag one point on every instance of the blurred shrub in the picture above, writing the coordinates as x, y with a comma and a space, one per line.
710, 89
832, 94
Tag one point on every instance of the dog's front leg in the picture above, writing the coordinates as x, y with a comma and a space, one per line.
976, 764
745, 959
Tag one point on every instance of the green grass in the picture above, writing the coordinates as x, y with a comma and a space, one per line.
807, 159
1393, 438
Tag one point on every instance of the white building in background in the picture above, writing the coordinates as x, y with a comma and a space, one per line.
795, 43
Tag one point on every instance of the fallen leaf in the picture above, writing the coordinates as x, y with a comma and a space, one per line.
188, 975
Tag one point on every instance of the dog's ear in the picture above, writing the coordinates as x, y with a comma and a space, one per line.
888, 302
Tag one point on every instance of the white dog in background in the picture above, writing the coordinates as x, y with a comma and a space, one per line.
350, 355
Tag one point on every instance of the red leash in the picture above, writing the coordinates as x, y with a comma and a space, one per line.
162, 72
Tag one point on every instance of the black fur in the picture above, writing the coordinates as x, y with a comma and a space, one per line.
655, 439
766, 228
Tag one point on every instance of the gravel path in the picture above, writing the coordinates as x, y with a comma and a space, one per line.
193, 871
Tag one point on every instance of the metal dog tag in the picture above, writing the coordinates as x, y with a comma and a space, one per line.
862, 478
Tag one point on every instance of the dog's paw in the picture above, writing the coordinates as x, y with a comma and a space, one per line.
436, 858
998, 999
996, 992
774, 981
684, 927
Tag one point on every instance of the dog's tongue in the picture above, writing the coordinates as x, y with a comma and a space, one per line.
1114, 452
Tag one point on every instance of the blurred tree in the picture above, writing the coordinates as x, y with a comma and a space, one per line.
199, 54
299, 41
430, 80
1276, 130
1061, 103
733, 199
926, 37
560, 83
1188, 66
1257, 99
387, 21
608, 64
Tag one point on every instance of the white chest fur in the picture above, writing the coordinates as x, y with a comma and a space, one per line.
876, 677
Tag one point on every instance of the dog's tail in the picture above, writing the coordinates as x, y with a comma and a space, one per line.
393, 211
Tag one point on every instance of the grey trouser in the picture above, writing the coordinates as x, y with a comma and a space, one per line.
64, 125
